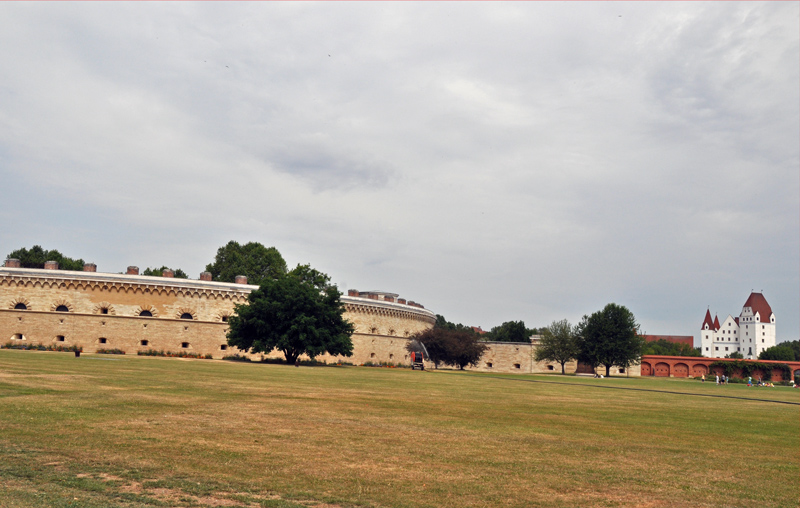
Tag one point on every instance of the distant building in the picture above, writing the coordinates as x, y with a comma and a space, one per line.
749, 334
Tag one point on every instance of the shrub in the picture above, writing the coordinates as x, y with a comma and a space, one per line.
40, 347
110, 352
236, 358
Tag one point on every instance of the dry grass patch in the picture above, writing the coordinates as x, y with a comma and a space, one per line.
159, 432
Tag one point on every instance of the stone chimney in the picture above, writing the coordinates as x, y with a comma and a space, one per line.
241, 279
89, 267
51, 265
388, 298
168, 273
205, 276
411, 302
352, 292
13, 263
401, 300
133, 270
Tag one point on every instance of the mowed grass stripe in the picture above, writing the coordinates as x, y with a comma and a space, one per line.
144, 431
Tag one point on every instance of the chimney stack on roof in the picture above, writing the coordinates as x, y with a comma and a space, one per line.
51, 265
133, 270
241, 279
13, 263
205, 276
168, 273
89, 267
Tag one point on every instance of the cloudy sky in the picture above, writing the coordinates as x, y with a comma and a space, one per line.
493, 161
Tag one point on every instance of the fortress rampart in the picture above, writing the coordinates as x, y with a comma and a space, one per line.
132, 312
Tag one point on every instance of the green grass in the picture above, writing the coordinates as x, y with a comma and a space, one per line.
100, 431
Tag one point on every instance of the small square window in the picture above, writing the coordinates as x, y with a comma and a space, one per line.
488, 365
184, 345
144, 342
517, 366
223, 347
103, 340
60, 338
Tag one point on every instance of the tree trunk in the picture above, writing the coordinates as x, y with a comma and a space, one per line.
291, 357
608, 370
562, 368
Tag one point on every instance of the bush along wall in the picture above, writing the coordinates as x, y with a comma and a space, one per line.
743, 369
40, 347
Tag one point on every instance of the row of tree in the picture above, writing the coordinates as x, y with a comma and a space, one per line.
608, 337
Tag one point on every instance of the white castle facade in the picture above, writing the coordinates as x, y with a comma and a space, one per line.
749, 334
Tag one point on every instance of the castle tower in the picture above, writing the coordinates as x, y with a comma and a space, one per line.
756, 326
707, 335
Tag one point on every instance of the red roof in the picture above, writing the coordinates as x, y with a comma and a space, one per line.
707, 321
716, 323
759, 304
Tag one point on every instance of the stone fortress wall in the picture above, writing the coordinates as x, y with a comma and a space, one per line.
133, 313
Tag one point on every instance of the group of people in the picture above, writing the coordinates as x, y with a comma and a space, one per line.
723, 380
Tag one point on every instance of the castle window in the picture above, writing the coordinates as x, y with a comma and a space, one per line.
103, 340
104, 311
224, 319
18, 336
372, 355
622, 370
20, 306
187, 315
517, 366
706, 348
145, 313
223, 347
726, 349
144, 342
716, 348
550, 367
59, 338
489, 365
62, 308
184, 345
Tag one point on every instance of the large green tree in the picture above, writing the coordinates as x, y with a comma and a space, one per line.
784, 352
158, 272
609, 337
663, 347
252, 259
558, 343
458, 348
296, 313
36, 256
442, 322
510, 331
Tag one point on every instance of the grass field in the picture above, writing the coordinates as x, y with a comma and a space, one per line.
113, 431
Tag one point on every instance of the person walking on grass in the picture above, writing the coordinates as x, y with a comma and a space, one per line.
717, 379
702, 378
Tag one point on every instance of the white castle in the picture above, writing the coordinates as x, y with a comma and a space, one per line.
749, 334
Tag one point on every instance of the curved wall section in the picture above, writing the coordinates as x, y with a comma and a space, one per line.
135, 313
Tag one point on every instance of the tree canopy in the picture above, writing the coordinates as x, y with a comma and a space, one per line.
36, 257
252, 259
443, 323
609, 337
458, 348
296, 313
510, 331
663, 347
158, 272
558, 343
785, 352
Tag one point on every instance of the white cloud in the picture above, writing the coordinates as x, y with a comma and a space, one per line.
494, 161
